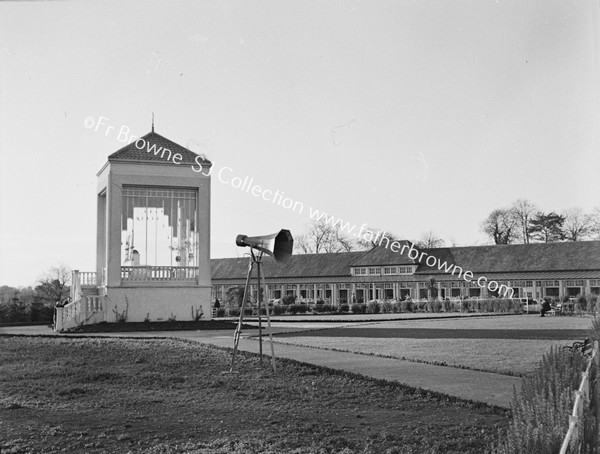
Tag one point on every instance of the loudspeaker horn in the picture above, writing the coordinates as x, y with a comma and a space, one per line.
278, 245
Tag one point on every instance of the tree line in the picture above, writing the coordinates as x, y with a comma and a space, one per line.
35, 304
523, 222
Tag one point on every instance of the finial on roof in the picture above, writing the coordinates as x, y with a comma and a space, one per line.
152, 121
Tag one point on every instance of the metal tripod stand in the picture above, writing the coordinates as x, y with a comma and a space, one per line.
255, 260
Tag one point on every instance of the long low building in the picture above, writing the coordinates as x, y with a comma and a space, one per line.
520, 271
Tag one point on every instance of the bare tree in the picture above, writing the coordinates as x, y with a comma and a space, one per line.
322, 237
524, 211
578, 225
595, 223
502, 226
429, 240
54, 284
369, 237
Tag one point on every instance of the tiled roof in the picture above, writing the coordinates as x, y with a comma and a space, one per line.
568, 256
381, 255
305, 265
576, 258
156, 144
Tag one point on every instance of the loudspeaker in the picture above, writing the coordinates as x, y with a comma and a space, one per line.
278, 245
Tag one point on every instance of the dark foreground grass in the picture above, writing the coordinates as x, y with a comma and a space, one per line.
164, 396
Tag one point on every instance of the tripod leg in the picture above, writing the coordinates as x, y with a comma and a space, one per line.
238, 329
264, 284
260, 343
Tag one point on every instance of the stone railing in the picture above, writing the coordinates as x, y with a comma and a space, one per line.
86, 310
158, 273
87, 278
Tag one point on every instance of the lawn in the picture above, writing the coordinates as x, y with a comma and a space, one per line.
165, 396
510, 345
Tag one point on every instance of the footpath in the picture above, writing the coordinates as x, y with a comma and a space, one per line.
490, 388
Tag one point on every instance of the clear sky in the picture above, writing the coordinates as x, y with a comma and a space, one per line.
405, 115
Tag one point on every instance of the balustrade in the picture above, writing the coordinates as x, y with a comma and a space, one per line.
159, 273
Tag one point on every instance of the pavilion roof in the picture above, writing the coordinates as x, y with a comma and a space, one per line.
156, 144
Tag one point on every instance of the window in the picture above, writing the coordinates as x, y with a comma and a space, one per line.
528, 283
579, 283
390, 270
159, 227
374, 271
405, 269
538, 283
360, 271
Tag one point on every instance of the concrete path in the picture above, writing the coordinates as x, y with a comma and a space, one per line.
494, 389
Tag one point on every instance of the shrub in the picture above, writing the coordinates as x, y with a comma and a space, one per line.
465, 306
359, 308
327, 308
406, 306
447, 306
297, 309
278, 310
318, 308
540, 411
289, 299
220, 312
373, 307
344, 308
387, 307
234, 312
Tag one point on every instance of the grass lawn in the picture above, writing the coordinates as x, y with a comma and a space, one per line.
510, 345
507, 356
165, 396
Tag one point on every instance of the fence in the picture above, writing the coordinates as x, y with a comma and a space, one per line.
573, 438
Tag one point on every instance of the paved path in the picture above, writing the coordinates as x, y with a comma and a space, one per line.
494, 389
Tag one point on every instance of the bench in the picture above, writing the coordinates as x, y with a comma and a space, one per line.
585, 347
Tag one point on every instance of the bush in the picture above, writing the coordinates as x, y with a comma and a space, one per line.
297, 309
387, 307
278, 310
540, 411
344, 308
373, 307
234, 312
319, 308
359, 308
289, 299
220, 312
405, 306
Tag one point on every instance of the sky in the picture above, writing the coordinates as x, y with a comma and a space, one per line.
404, 115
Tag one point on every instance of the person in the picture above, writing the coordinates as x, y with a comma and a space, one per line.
545, 308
